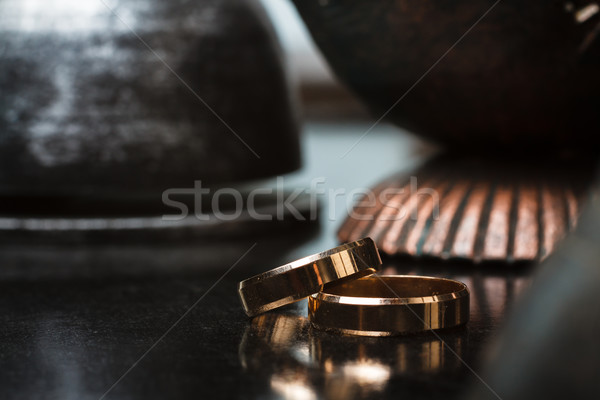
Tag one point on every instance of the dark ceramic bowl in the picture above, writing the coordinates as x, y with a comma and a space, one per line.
129, 101
522, 79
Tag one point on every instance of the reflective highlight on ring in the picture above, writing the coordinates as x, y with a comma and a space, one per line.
389, 305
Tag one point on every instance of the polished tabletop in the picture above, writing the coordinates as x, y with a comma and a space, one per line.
163, 320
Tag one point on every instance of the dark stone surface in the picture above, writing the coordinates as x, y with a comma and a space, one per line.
525, 78
87, 109
74, 319
65, 337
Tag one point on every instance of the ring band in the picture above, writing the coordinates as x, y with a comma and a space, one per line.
389, 305
301, 278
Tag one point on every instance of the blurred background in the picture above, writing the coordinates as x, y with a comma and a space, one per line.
322, 95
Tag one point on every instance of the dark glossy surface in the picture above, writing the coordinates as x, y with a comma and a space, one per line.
73, 339
70, 330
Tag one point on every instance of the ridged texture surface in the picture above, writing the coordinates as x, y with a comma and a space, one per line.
465, 208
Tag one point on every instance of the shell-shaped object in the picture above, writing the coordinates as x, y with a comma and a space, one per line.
473, 209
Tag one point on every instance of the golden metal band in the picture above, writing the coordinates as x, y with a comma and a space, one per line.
301, 278
389, 305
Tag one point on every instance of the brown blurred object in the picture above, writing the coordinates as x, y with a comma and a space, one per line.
463, 207
479, 74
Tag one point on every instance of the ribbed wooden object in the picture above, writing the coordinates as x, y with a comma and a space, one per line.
465, 208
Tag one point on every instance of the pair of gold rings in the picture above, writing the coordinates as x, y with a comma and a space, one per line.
346, 296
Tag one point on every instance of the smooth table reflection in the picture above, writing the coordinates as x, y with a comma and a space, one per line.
300, 362
74, 320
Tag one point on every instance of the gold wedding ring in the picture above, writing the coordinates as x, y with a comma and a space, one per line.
301, 278
389, 305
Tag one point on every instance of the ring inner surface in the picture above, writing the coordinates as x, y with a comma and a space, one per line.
394, 287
